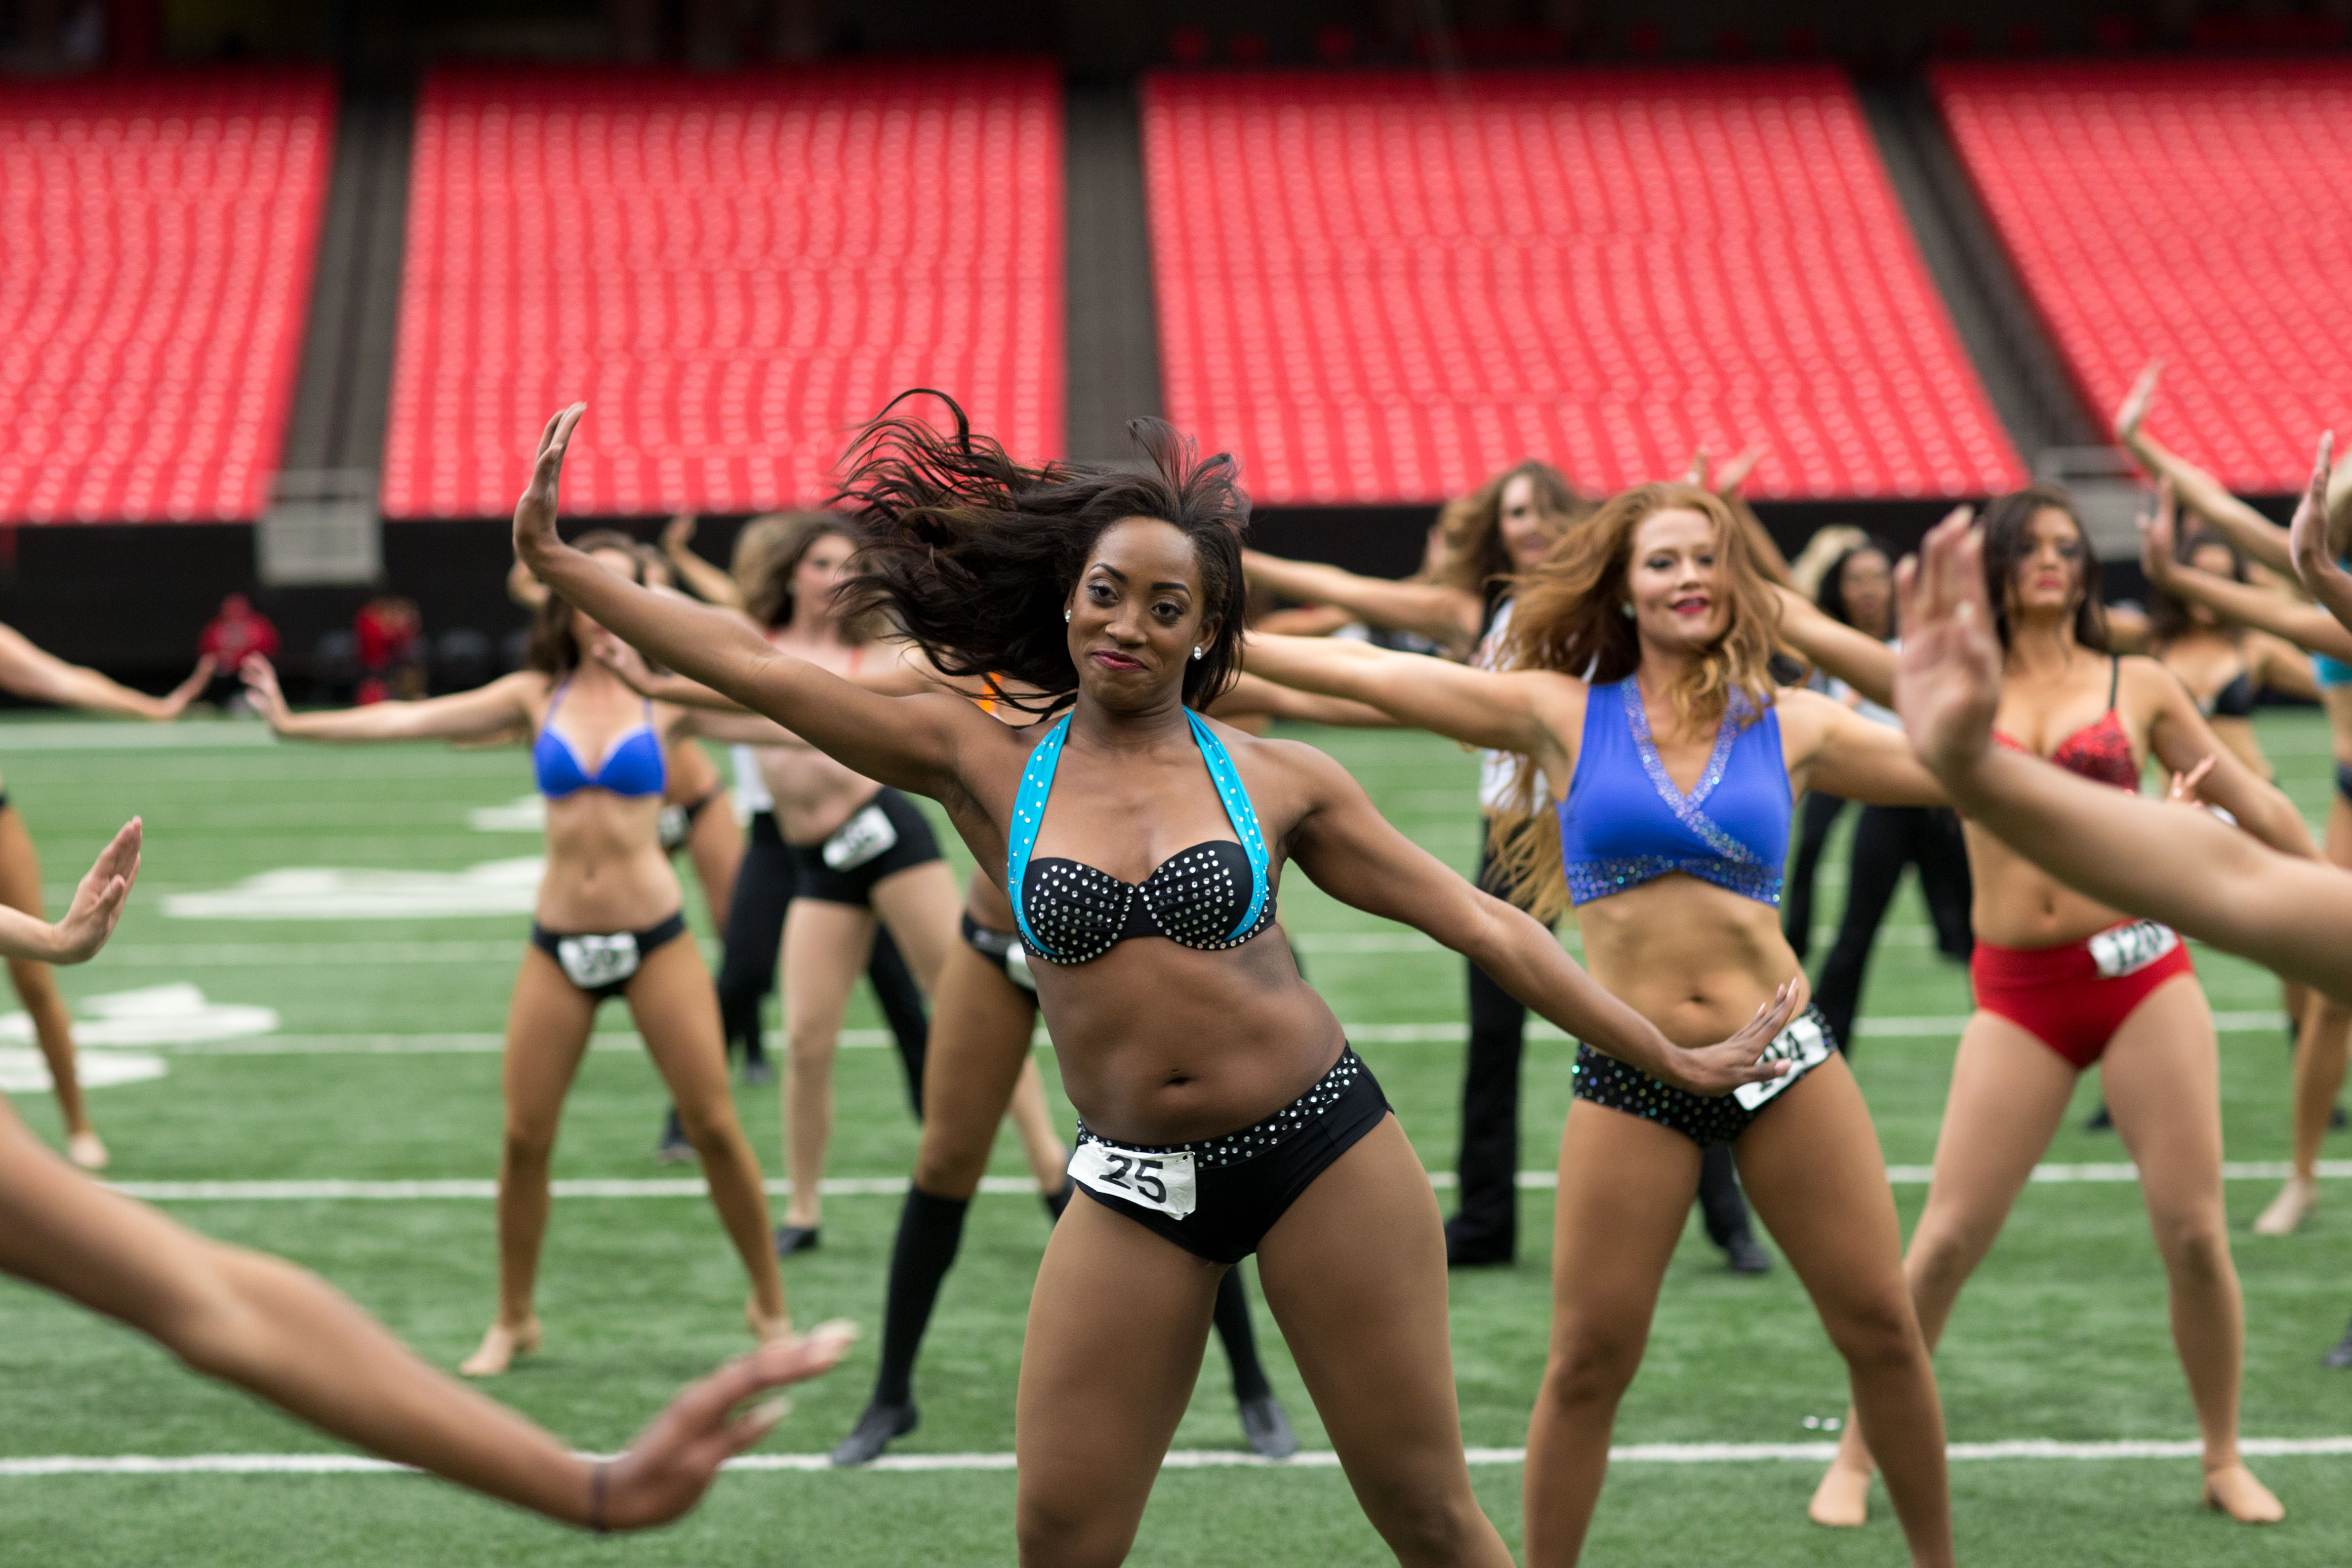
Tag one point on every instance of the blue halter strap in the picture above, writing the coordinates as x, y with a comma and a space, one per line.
1038, 783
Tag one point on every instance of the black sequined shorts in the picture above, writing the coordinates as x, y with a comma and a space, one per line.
1218, 1198
1705, 1120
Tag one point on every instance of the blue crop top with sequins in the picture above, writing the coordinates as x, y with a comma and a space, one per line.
1625, 823
1213, 895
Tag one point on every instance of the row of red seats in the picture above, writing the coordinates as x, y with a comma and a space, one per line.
2186, 212
156, 241
1384, 287
733, 271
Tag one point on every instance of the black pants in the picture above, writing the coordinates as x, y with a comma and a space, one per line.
1821, 814
1885, 839
1486, 1223
755, 926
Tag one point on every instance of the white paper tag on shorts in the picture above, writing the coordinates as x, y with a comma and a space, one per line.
1163, 1181
1803, 1044
1016, 966
595, 961
2120, 950
867, 833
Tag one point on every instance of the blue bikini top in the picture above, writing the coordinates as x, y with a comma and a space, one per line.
632, 766
1213, 895
1625, 823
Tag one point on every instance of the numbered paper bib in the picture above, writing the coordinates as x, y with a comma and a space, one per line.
1803, 1044
867, 834
2121, 949
1163, 1182
596, 961
1016, 966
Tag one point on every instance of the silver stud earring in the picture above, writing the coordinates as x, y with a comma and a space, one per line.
1626, 610
1066, 618
1197, 653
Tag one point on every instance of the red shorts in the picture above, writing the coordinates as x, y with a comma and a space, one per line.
2073, 998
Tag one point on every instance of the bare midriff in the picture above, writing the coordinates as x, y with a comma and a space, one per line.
2019, 905
606, 869
1695, 959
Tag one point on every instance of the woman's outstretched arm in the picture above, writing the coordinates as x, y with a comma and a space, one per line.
912, 743
89, 919
2183, 866
31, 672
1519, 711
486, 711
709, 584
1358, 856
1445, 615
2246, 603
283, 1334
2261, 539
1251, 695
2316, 564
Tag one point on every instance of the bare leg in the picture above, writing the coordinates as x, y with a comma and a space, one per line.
2162, 1076
1049, 1157
2320, 1051
1624, 1187
37, 986
1814, 1172
547, 1033
825, 949
716, 845
676, 1010
1116, 1323
979, 1055
1368, 1325
919, 906
2008, 1092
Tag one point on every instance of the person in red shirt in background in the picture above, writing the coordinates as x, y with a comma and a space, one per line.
390, 636
239, 629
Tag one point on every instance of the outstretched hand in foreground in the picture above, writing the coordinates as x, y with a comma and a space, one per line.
1948, 680
91, 919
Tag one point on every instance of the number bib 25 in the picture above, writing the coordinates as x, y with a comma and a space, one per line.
1803, 1044
1161, 1181
594, 961
2121, 950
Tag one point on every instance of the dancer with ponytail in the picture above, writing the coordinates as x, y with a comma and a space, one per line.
2064, 983
1659, 767
1222, 1112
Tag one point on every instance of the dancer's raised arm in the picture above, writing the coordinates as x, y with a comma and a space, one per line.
912, 742
2307, 626
2292, 914
1519, 711
2261, 539
710, 583
1355, 854
28, 671
2316, 564
1439, 611
91, 919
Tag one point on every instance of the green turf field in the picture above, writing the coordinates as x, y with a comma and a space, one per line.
381, 1068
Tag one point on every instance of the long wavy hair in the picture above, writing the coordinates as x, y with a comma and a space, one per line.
1568, 615
1477, 559
552, 650
1832, 594
2007, 522
974, 556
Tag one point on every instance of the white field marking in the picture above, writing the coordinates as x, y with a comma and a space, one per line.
306, 893
1188, 1458
86, 735
523, 814
156, 1015
473, 1190
26, 1072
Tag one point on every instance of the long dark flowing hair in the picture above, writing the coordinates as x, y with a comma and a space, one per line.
975, 556
1832, 597
1477, 559
552, 650
2007, 542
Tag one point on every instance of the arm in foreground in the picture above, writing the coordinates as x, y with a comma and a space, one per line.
91, 919
911, 743
1358, 856
2185, 868
283, 1334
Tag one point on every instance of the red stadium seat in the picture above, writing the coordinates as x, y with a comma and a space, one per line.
2190, 213
1379, 288
159, 232
734, 271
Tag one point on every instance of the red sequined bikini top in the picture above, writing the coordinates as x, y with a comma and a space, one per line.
2100, 750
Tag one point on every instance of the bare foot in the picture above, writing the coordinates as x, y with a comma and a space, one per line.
764, 1328
2294, 1204
84, 1149
501, 1345
1843, 1499
2232, 1489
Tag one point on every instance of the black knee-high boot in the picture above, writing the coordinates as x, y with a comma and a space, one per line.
930, 1230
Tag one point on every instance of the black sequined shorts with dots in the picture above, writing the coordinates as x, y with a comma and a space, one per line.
1247, 1180
1705, 1120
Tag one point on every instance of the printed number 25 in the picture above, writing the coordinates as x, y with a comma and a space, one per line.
1124, 1166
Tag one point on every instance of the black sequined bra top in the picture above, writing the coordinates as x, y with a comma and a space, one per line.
1213, 895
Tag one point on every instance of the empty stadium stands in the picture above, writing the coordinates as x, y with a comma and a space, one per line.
2190, 211
1384, 287
734, 271
156, 240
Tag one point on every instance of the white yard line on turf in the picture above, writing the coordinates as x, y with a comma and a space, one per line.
474, 1189
1186, 1459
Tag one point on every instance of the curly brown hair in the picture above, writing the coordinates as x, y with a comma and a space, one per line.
1568, 616
1477, 559
766, 571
